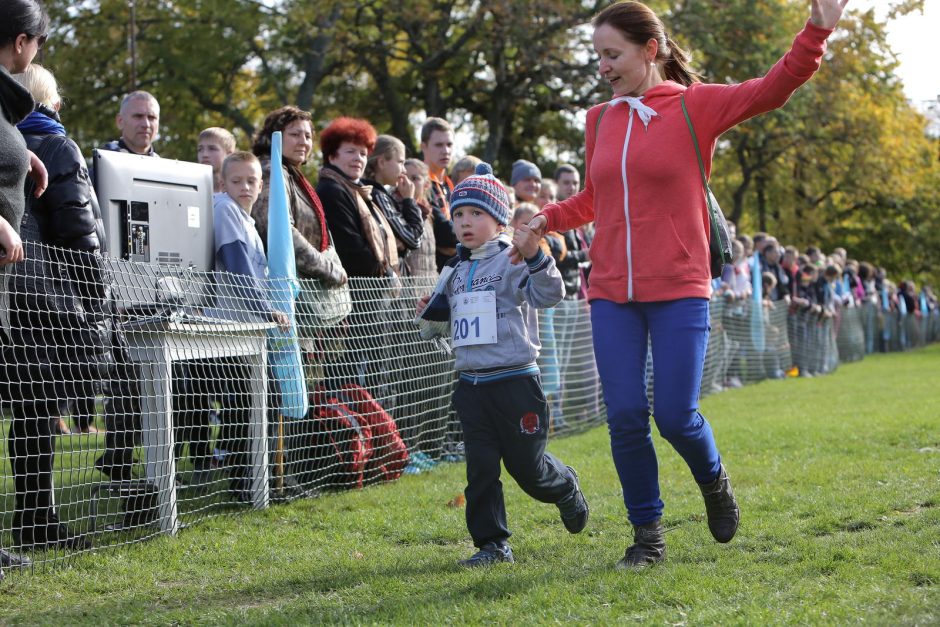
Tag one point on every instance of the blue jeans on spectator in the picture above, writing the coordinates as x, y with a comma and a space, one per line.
678, 333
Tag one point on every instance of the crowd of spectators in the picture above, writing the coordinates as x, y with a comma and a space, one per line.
812, 287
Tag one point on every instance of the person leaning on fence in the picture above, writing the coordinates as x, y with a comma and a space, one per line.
366, 245
139, 122
770, 262
498, 397
424, 424
650, 282
806, 305
242, 296
23, 26
395, 194
772, 332
314, 251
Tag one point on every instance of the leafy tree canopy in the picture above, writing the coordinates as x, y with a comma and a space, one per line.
847, 162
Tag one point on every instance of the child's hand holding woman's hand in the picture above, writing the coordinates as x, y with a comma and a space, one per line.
534, 231
525, 241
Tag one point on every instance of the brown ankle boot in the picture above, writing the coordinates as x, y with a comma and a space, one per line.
721, 507
649, 547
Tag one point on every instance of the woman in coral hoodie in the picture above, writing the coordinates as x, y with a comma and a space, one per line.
650, 283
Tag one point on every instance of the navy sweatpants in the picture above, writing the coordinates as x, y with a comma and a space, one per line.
506, 421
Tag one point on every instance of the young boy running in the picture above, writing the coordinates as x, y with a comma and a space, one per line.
487, 307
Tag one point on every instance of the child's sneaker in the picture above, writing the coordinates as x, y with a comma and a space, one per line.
488, 555
574, 509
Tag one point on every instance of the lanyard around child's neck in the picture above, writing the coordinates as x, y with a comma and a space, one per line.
473, 269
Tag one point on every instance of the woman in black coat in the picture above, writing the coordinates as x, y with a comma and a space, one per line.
366, 245
59, 313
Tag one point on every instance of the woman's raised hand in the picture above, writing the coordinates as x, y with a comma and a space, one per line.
826, 13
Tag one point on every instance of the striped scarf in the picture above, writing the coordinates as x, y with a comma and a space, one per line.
315, 201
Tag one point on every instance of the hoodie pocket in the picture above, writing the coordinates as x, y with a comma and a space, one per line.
658, 250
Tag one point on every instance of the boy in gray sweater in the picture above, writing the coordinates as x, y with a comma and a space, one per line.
486, 305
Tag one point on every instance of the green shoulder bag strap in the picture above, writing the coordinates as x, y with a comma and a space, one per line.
709, 197
597, 125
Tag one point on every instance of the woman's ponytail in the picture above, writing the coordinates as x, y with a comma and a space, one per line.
676, 65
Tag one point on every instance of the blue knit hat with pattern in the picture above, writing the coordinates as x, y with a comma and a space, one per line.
484, 191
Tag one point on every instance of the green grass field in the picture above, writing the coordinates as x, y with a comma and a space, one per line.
838, 479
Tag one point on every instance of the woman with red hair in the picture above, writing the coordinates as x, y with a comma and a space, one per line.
364, 239
365, 243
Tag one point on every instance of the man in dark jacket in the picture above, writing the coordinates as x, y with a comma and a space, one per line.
770, 262
437, 144
139, 121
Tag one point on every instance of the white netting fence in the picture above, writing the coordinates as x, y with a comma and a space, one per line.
177, 410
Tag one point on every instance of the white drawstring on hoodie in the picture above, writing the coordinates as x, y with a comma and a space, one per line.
636, 103
645, 114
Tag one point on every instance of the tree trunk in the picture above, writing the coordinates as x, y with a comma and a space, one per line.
761, 187
314, 62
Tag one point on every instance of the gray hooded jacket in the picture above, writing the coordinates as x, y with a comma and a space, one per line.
520, 290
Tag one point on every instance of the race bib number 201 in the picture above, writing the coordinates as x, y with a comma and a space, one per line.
473, 319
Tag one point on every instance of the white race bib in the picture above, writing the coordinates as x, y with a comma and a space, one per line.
473, 318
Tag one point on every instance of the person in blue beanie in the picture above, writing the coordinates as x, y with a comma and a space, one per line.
487, 307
